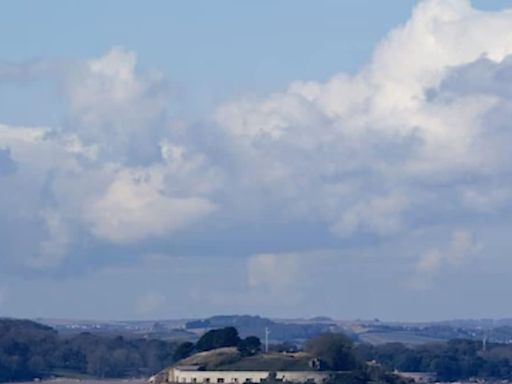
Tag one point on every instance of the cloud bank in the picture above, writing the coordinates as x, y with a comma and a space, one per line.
417, 140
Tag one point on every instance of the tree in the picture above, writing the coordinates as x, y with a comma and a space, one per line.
218, 338
29, 350
249, 346
183, 351
335, 350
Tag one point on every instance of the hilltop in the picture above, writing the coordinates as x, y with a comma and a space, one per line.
230, 359
328, 357
224, 350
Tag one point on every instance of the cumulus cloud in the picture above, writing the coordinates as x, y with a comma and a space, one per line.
116, 108
7, 165
461, 248
370, 152
136, 205
419, 136
43, 236
111, 170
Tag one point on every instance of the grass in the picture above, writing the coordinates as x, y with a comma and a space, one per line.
213, 359
271, 362
72, 374
229, 359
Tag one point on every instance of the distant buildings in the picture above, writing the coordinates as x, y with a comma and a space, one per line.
418, 377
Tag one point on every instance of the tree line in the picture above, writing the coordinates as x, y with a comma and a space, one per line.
29, 350
454, 360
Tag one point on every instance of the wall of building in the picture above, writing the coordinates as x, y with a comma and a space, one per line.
240, 377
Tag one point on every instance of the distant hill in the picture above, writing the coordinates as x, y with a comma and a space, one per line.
24, 346
295, 330
8, 325
160, 329
255, 326
418, 334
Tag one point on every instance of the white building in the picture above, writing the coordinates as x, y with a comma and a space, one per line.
192, 374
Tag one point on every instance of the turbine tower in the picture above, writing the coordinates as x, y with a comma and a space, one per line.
267, 332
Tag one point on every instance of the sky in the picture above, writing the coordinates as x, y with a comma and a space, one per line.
283, 158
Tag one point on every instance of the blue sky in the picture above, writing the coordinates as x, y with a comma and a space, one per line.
211, 51
282, 158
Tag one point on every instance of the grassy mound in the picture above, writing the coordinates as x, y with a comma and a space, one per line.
229, 359
271, 362
213, 360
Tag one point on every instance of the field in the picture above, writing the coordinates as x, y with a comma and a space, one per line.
404, 337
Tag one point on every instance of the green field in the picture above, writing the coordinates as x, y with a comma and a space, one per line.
407, 338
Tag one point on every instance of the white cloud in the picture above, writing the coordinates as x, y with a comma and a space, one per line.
111, 170
418, 136
120, 111
136, 206
39, 158
369, 151
155, 187
461, 248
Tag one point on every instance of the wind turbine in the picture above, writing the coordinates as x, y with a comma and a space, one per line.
267, 332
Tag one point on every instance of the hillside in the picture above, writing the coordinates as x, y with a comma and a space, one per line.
255, 326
